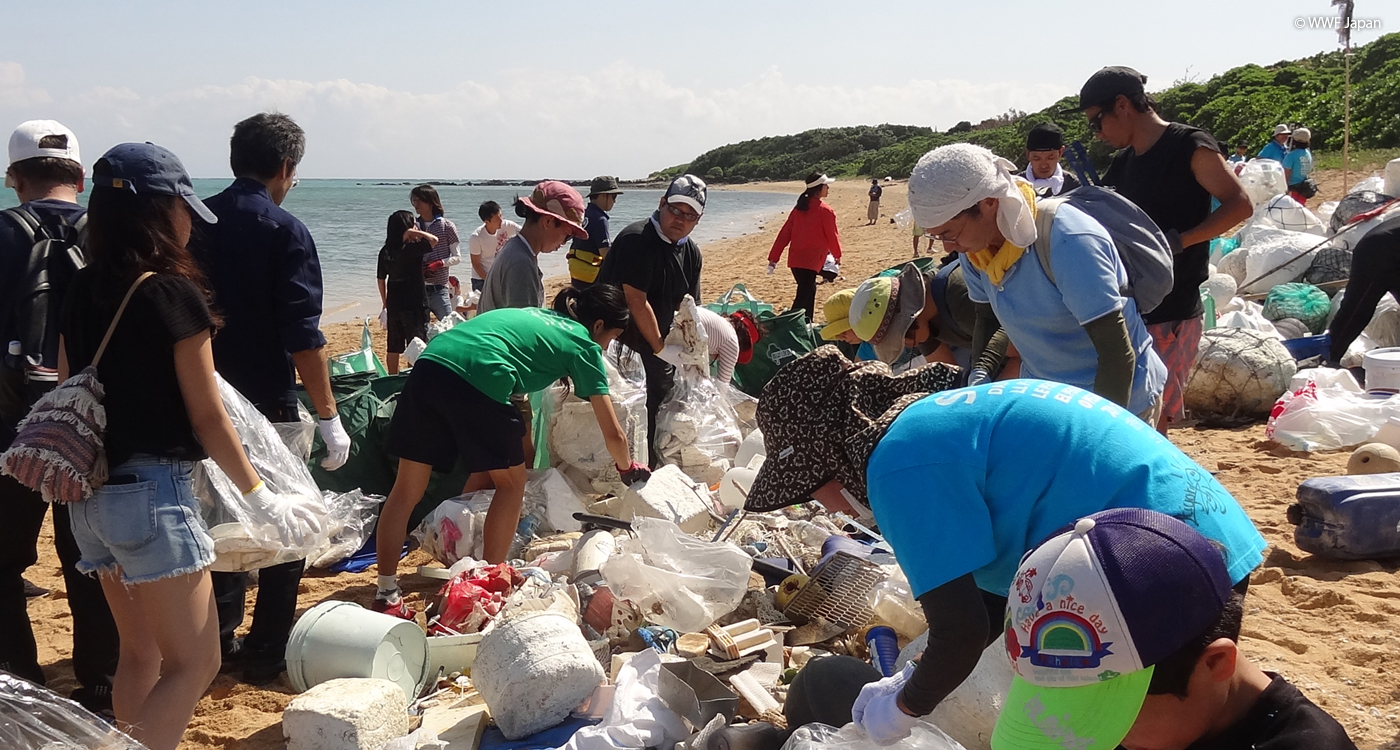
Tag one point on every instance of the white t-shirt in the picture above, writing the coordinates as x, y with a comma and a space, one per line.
484, 244
723, 342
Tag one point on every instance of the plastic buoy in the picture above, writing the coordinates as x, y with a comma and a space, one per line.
1373, 458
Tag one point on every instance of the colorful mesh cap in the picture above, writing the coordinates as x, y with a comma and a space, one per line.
837, 310
1090, 612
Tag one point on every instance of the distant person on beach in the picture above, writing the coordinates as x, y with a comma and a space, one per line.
262, 266
1045, 147
586, 255
488, 239
1241, 154
553, 213
46, 172
446, 252
872, 211
919, 234
141, 533
1375, 270
1277, 147
809, 234
401, 290
1298, 166
656, 264
456, 411
954, 484
1080, 328
1171, 171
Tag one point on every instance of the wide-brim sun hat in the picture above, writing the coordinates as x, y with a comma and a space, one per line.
145, 168
1302, 135
882, 310
560, 201
1282, 130
604, 185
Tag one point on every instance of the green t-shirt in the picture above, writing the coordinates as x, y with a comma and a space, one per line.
521, 350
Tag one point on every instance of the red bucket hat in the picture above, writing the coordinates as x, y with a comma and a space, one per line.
559, 200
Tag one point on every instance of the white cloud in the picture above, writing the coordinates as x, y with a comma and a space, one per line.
621, 118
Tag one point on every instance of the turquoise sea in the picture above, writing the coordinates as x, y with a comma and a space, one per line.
347, 219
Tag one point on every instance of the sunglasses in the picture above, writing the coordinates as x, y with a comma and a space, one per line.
685, 216
1096, 122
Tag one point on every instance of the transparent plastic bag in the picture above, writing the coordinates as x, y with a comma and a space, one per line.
353, 516
35, 718
924, 736
894, 605
453, 530
1317, 417
745, 408
300, 435
574, 438
1263, 179
242, 531
678, 581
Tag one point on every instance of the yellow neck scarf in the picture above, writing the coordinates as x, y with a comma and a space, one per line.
996, 265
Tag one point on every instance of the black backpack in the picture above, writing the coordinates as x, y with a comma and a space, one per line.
35, 311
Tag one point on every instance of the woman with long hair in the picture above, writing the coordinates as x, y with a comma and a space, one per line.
141, 533
401, 288
809, 234
456, 408
446, 251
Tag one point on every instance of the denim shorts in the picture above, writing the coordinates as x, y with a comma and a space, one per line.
145, 520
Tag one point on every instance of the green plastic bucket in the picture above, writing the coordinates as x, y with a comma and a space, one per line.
343, 639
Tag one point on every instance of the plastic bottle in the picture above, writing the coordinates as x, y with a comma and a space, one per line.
884, 648
809, 533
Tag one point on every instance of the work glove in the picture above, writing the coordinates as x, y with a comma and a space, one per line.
978, 376
1174, 241
436, 265
771, 268
637, 472
877, 713
296, 524
384, 318
337, 443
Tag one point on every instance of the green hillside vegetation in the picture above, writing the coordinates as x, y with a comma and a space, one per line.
1240, 105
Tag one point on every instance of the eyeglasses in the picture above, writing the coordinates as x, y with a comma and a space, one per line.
1096, 122
685, 216
295, 182
963, 214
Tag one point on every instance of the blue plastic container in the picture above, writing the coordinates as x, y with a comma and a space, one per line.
1309, 346
1348, 518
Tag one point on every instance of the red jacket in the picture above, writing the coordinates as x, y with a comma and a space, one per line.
812, 234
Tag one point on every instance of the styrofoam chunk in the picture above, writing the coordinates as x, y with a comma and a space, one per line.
346, 714
669, 495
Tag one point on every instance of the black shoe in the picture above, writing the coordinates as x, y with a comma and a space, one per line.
32, 590
232, 657
261, 667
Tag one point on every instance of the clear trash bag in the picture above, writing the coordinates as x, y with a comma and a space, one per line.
453, 530
677, 580
575, 440
35, 718
298, 436
1263, 179
446, 324
924, 736
1327, 417
238, 529
697, 429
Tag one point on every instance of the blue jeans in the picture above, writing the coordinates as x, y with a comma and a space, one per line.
144, 522
440, 300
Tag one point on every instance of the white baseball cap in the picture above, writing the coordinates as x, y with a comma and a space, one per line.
24, 142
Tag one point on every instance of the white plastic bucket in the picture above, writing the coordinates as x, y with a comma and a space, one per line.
1392, 177
1382, 369
343, 639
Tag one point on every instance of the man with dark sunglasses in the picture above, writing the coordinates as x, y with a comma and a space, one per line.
657, 265
1171, 171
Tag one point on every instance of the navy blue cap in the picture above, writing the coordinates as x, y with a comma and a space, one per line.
148, 168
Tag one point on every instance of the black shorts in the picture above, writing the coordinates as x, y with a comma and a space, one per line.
404, 326
441, 418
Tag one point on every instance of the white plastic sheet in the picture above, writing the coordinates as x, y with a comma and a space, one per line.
637, 718
34, 718
924, 736
1327, 416
453, 530
679, 581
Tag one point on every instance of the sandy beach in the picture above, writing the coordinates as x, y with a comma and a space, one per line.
1331, 628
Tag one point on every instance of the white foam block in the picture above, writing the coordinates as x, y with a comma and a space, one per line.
671, 496
346, 714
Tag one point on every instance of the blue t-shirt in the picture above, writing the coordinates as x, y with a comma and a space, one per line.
1045, 319
595, 220
969, 480
1272, 150
1300, 161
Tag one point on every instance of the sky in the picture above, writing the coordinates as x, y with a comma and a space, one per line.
470, 90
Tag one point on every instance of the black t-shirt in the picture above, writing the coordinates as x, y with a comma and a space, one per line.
875, 192
402, 271
145, 410
1282, 719
1161, 183
643, 259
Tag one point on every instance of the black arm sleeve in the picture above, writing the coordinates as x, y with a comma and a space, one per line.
957, 634
983, 326
993, 352
1375, 270
1117, 359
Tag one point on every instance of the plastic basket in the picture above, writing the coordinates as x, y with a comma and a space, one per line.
838, 591
1309, 346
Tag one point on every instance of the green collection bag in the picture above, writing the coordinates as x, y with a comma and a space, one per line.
736, 299
364, 360
785, 338
923, 263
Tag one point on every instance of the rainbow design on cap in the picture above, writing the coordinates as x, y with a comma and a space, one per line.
1064, 640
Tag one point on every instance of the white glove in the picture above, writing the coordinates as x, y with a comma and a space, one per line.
295, 523
771, 268
877, 713
384, 318
337, 443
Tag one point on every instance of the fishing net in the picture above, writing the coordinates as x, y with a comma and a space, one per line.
1331, 263
1304, 302
1356, 202
1238, 376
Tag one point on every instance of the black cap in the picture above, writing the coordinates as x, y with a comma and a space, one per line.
1107, 84
1046, 136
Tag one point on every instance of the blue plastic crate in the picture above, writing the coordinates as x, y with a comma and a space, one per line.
1309, 346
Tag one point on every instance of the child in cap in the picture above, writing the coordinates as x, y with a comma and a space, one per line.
1123, 629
